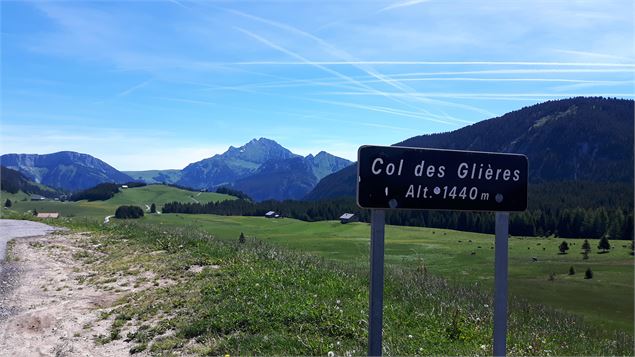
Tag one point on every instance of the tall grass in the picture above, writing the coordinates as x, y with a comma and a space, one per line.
254, 298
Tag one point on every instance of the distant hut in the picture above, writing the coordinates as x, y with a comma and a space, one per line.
48, 215
124, 186
348, 217
37, 198
270, 214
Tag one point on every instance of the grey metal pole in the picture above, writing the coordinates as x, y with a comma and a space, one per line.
500, 283
377, 221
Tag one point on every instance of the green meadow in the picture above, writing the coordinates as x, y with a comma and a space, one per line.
606, 300
139, 196
537, 272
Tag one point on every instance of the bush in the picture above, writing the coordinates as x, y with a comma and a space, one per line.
241, 239
8, 203
588, 274
125, 212
153, 208
563, 247
571, 270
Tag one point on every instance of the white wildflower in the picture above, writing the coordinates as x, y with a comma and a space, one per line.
331, 354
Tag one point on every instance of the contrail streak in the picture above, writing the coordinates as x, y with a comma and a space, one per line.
435, 63
338, 53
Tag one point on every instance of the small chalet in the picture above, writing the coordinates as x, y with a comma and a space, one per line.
37, 198
348, 217
124, 186
271, 214
48, 215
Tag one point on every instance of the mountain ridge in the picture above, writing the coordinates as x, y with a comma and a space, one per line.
66, 170
574, 139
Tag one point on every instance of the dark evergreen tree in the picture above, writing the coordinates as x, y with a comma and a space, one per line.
8, 203
153, 208
241, 239
571, 270
586, 246
604, 244
563, 247
588, 274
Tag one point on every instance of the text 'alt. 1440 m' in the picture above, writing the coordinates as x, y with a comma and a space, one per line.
391, 177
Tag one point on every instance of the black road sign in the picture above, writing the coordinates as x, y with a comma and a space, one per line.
392, 177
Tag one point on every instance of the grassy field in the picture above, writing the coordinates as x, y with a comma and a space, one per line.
606, 300
139, 196
200, 295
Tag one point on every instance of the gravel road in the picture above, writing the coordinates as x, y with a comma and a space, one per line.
9, 271
11, 228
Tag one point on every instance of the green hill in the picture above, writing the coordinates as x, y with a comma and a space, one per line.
138, 196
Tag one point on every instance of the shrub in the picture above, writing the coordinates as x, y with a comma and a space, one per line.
153, 208
563, 247
125, 212
241, 239
588, 274
7, 203
571, 270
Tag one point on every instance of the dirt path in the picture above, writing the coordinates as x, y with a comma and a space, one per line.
49, 312
11, 228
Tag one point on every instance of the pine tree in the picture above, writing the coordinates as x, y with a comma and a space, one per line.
241, 239
564, 247
588, 274
586, 246
571, 270
604, 244
153, 208
8, 203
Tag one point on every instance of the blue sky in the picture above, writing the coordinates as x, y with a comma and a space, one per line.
157, 85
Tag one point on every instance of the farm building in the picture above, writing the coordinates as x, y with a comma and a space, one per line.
48, 215
348, 217
271, 214
37, 198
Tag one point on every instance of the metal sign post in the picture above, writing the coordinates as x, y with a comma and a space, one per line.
500, 283
392, 177
376, 281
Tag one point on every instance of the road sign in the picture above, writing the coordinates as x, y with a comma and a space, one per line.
392, 177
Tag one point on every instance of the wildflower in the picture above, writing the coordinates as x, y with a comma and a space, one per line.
484, 347
486, 305
409, 336
337, 301
331, 354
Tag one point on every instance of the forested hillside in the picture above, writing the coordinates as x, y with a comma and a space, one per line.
577, 139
